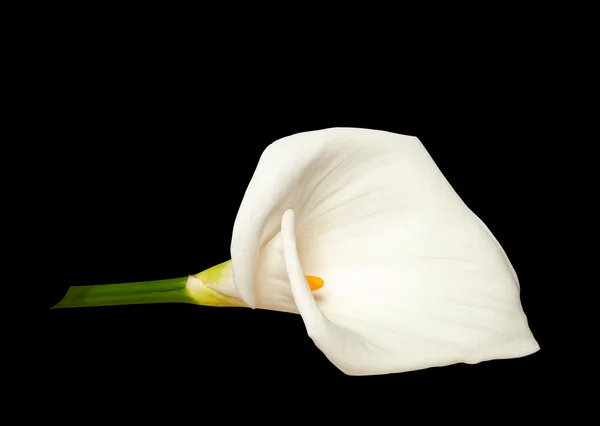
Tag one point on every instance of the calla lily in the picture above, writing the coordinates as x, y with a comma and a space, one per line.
359, 232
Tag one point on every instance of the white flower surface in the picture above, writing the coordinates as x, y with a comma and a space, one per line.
412, 277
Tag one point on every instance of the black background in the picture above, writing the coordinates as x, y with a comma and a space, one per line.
144, 153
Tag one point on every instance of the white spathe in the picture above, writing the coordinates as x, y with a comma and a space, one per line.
413, 278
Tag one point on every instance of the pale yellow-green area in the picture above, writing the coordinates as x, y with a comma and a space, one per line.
217, 276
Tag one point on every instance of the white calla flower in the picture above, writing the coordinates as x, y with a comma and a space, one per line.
359, 232
412, 278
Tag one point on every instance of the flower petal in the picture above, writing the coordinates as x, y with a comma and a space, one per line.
413, 279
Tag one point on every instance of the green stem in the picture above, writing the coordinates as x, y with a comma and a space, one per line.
163, 291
